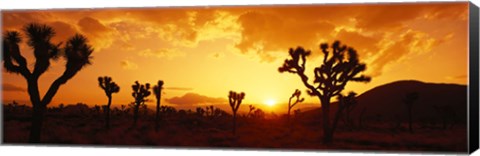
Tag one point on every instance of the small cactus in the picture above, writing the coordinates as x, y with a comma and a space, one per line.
140, 93
109, 87
235, 99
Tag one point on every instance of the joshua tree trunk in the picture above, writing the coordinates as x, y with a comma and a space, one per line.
38, 111
327, 131
157, 116
37, 121
234, 123
107, 117
135, 114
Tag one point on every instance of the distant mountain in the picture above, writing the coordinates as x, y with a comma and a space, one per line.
385, 102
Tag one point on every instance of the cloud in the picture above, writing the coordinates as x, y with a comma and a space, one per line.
266, 32
168, 53
63, 31
13, 88
362, 43
408, 43
100, 35
129, 65
16, 20
194, 99
178, 88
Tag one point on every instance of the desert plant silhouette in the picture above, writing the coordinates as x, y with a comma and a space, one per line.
210, 111
109, 87
251, 108
295, 95
409, 99
140, 93
345, 104
157, 90
235, 99
200, 111
340, 66
76, 52
258, 114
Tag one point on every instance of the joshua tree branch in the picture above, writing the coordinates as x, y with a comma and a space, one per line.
56, 85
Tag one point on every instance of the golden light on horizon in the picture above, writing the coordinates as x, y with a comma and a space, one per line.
270, 102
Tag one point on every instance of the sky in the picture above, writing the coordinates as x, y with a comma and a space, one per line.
204, 52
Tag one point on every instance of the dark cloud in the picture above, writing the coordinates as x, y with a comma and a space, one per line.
91, 25
193, 99
17, 19
13, 88
99, 34
63, 31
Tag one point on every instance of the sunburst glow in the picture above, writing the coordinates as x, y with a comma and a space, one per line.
270, 102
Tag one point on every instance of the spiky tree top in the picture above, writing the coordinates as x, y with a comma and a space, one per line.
108, 85
251, 107
296, 95
340, 65
140, 92
347, 101
235, 100
157, 89
76, 52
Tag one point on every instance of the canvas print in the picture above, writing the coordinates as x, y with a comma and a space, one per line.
389, 77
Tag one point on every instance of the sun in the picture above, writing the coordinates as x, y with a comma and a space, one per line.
270, 102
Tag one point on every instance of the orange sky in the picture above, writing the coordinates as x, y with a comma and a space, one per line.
203, 52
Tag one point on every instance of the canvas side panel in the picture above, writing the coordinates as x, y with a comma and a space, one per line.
474, 78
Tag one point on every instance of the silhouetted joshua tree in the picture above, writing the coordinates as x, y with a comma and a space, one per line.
251, 109
200, 111
258, 114
109, 87
157, 90
340, 65
409, 99
140, 93
295, 95
235, 99
76, 52
345, 104
210, 111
